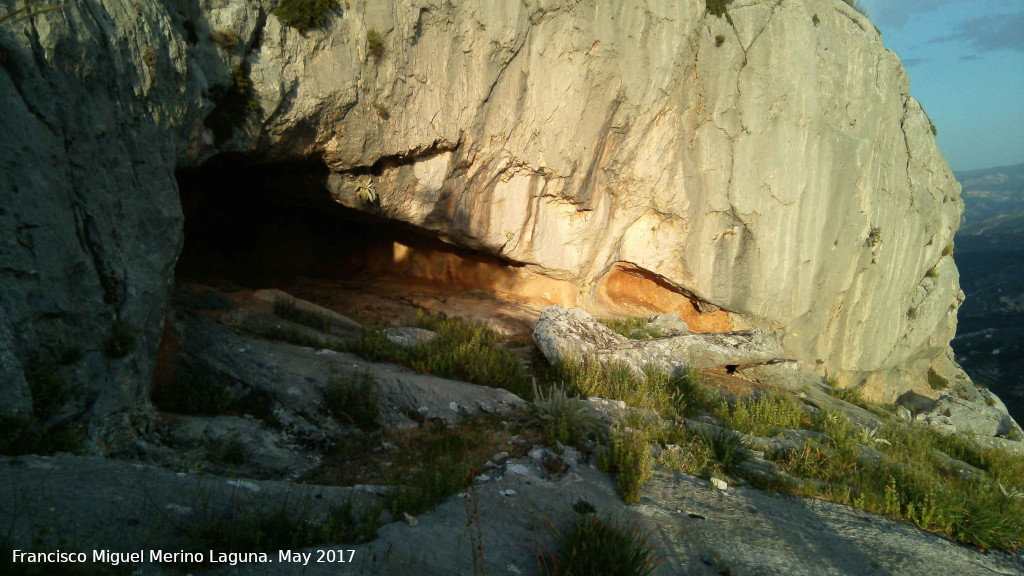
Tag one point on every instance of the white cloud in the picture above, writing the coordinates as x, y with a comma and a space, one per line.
896, 13
996, 32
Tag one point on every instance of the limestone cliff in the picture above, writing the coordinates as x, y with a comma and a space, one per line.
766, 169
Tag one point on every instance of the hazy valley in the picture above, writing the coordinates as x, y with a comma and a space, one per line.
990, 255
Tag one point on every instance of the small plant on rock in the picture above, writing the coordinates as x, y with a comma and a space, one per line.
305, 15
561, 418
464, 350
353, 398
374, 44
634, 328
766, 414
594, 545
629, 457
719, 7
727, 447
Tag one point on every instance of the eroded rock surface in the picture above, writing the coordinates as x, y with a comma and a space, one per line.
698, 530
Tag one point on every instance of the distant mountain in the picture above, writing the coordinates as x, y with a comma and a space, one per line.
992, 192
990, 255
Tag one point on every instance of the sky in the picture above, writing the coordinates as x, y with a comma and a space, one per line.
966, 64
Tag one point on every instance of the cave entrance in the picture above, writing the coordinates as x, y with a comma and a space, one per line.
253, 226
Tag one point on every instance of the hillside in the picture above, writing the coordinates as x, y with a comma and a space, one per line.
990, 256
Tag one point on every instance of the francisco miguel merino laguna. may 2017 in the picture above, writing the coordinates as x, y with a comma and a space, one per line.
159, 556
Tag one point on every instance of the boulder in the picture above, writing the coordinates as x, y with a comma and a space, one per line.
562, 334
669, 324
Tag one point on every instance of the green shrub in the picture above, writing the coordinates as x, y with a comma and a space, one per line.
936, 382
353, 398
766, 414
835, 425
719, 40
304, 15
912, 482
463, 350
874, 237
121, 340
672, 396
719, 7
561, 418
374, 44
593, 545
629, 457
635, 328
446, 464
289, 310
855, 397
727, 447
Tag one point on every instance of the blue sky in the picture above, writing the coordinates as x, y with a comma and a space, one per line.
966, 65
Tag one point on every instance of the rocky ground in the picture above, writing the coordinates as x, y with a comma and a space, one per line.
271, 445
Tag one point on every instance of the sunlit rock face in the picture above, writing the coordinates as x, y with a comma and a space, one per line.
772, 171
766, 170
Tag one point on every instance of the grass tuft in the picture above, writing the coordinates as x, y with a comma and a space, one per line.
447, 465
671, 396
463, 350
914, 482
289, 524
594, 545
353, 398
561, 418
727, 447
634, 328
765, 415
